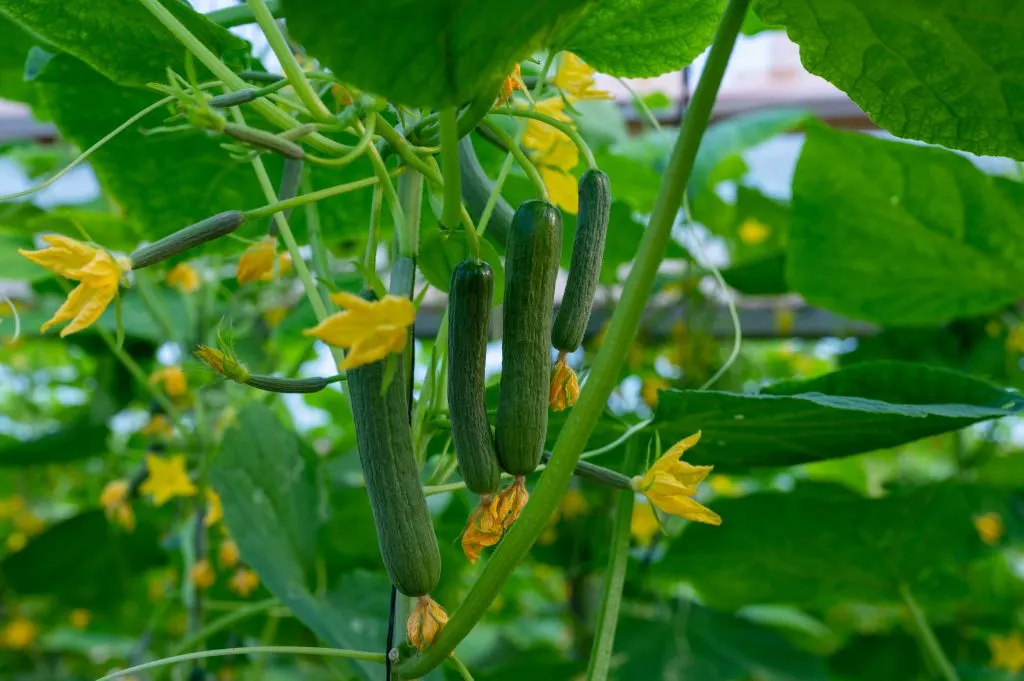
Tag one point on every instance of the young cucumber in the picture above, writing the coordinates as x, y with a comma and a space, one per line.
585, 268
531, 264
405, 531
469, 310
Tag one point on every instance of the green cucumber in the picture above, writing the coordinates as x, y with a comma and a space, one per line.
405, 530
469, 311
585, 268
531, 265
476, 189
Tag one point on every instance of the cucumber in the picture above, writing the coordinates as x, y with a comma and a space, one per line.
469, 311
476, 189
531, 264
585, 268
405, 530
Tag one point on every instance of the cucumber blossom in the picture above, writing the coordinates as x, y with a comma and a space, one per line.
531, 263
405, 530
585, 268
469, 310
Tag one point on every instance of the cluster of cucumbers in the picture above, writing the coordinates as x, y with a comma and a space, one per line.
533, 248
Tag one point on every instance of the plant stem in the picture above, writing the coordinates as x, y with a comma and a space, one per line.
461, 668
604, 374
405, 150
410, 196
930, 647
517, 153
278, 206
450, 168
615, 574
239, 15
561, 126
291, 67
225, 622
321, 258
358, 150
229, 78
405, 247
254, 650
372, 239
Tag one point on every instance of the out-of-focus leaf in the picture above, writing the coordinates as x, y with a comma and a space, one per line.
638, 39
901, 234
764, 277
434, 53
861, 408
940, 71
820, 545
121, 38
15, 43
80, 439
440, 253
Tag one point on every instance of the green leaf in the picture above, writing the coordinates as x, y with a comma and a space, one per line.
861, 408
440, 252
764, 277
82, 438
15, 266
121, 38
431, 53
941, 71
821, 545
112, 231
709, 646
901, 234
15, 43
642, 38
83, 560
162, 182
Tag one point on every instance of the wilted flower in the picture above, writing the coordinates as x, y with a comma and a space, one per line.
223, 363
482, 529
565, 386
510, 502
425, 622
512, 82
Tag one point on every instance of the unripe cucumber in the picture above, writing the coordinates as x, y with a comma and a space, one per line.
469, 311
531, 265
476, 189
405, 530
585, 268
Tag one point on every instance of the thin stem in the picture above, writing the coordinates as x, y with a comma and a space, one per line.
364, 141
450, 167
604, 374
155, 307
406, 152
460, 668
930, 647
641, 105
88, 152
517, 153
321, 258
278, 206
284, 54
370, 259
615, 574
405, 247
363, 655
239, 15
561, 126
229, 78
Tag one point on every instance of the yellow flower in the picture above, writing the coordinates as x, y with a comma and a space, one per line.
990, 527
554, 163
228, 554
649, 390
257, 262
574, 504
512, 82
18, 634
371, 330
725, 486
97, 272
482, 529
576, 79
425, 621
223, 363
214, 508
643, 524
16, 541
753, 232
273, 316
1007, 652
202, 574
173, 380
539, 135
1015, 339
243, 582
79, 618
565, 386
184, 278
116, 505
670, 484
166, 479
510, 502
284, 267
12, 506
158, 426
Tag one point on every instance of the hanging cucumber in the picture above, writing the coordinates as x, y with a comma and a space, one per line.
585, 268
476, 189
469, 310
531, 264
405, 530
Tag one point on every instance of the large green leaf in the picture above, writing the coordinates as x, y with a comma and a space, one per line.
80, 439
901, 234
941, 71
15, 43
641, 38
120, 38
861, 408
430, 52
820, 545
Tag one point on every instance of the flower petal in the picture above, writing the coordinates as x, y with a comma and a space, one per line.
688, 508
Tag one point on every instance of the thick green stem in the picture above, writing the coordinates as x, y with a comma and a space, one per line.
517, 153
410, 195
561, 126
239, 15
373, 238
930, 647
605, 371
615, 575
291, 67
405, 247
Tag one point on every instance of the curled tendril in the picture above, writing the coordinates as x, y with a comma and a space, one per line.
17, 322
